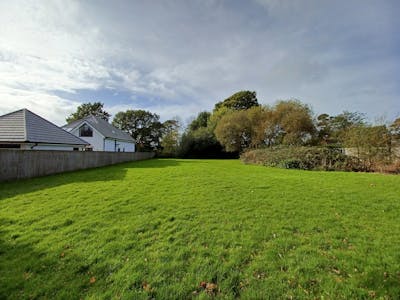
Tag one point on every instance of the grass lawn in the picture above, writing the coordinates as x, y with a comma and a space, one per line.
159, 228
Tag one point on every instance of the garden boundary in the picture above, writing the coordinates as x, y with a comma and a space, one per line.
21, 164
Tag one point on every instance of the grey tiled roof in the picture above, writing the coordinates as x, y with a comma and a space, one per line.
102, 126
25, 126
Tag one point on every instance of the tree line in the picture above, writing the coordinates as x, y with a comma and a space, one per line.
240, 123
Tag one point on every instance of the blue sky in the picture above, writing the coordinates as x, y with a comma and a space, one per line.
177, 58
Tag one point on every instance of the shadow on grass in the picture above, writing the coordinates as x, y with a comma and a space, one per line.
18, 187
107, 173
384, 283
28, 273
154, 163
159, 163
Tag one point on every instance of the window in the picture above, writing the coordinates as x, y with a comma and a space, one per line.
85, 130
76, 149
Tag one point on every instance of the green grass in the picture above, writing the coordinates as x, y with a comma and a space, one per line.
157, 228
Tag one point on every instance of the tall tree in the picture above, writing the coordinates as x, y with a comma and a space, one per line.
395, 129
170, 137
347, 119
333, 129
201, 143
86, 109
324, 129
144, 127
240, 129
291, 123
200, 121
288, 122
234, 131
239, 101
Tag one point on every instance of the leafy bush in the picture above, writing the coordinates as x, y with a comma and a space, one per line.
305, 158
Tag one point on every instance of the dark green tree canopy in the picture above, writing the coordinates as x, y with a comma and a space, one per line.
347, 119
332, 129
86, 109
170, 138
239, 101
395, 128
200, 121
145, 127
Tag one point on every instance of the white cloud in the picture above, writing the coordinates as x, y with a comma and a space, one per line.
182, 57
50, 107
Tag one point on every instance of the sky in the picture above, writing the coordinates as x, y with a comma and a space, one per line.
177, 58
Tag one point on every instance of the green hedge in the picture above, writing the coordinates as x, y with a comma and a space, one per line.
306, 158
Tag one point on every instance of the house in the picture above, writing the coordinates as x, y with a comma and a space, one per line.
22, 129
101, 135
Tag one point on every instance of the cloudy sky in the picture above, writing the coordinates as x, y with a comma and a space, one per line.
177, 58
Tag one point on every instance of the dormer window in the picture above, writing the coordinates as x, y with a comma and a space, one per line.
85, 130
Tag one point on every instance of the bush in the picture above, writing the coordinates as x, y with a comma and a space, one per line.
305, 158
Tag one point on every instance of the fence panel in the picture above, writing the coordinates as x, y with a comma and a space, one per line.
20, 164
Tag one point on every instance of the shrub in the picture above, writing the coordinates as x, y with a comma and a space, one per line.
318, 158
306, 158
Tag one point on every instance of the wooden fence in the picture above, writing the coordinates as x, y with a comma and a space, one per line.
20, 164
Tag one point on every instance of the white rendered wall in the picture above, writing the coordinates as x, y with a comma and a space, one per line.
109, 145
96, 141
127, 146
113, 145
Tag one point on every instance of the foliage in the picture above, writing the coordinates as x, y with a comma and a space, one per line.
237, 130
239, 101
144, 127
87, 109
170, 138
347, 120
292, 123
216, 116
164, 228
200, 121
288, 122
333, 129
199, 140
202, 143
395, 129
234, 131
306, 158
370, 144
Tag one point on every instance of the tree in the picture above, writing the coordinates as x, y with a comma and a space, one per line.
240, 129
234, 131
199, 140
346, 120
170, 138
333, 129
263, 126
370, 144
87, 109
395, 129
290, 123
239, 101
202, 143
216, 117
324, 129
200, 121
144, 127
